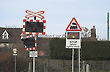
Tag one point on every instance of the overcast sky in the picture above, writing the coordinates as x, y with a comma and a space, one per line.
58, 13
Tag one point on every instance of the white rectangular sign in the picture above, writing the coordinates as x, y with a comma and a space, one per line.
73, 39
33, 54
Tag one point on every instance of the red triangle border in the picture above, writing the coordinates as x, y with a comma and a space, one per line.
76, 23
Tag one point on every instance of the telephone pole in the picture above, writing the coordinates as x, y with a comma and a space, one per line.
108, 26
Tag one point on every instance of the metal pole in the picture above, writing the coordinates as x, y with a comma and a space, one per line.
72, 60
33, 64
15, 63
79, 58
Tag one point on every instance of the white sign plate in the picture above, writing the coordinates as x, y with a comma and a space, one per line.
33, 54
73, 39
15, 51
15, 54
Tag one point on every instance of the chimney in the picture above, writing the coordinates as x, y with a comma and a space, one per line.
93, 32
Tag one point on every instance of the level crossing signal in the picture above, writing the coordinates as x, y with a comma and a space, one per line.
34, 27
72, 35
29, 42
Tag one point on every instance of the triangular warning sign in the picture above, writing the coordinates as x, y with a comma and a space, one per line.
73, 26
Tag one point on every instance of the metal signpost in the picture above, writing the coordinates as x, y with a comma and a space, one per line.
15, 54
32, 28
73, 39
33, 54
31, 45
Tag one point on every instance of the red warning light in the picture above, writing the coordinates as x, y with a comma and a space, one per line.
70, 34
33, 28
76, 34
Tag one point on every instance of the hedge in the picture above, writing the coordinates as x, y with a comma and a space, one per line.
90, 50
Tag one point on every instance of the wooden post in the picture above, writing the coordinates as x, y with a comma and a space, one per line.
108, 26
30, 66
87, 68
83, 67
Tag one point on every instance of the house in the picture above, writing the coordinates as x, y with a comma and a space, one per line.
10, 35
10, 38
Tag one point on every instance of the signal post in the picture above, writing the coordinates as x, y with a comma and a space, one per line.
32, 27
73, 39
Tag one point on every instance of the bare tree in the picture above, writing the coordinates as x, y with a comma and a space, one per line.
85, 33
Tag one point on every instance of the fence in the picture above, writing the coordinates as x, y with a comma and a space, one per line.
49, 65
52, 65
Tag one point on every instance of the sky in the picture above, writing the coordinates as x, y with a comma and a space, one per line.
58, 14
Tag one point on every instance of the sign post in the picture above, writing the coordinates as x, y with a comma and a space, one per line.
33, 64
79, 58
33, 54
73, 39
15, 54
72, 60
